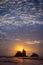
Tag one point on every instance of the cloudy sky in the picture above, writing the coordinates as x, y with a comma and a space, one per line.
21, 23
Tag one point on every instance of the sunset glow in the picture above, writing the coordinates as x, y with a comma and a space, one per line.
19, 48
21, 26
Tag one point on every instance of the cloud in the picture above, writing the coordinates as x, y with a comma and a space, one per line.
2, 33
33, 42
3, 1
21, 21
21, 13
18, 39
37, 41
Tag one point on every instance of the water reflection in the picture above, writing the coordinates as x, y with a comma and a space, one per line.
20, 61
23, 61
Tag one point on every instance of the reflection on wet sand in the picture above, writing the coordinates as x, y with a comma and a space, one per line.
20, 61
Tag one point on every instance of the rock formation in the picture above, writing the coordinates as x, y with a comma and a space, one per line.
21, 54
34, 55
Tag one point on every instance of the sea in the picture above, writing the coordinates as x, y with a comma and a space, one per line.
20, 61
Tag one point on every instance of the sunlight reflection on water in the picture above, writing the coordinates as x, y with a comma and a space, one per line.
20, 61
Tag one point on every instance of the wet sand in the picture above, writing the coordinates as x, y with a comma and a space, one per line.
20, 61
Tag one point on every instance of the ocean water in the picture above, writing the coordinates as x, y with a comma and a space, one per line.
20, 61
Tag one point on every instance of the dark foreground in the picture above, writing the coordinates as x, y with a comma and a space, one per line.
20, 61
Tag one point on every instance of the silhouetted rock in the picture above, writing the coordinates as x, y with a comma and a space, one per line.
20, 54
34, 55
23, 53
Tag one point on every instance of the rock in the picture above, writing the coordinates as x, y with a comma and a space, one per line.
34, 55
21, 54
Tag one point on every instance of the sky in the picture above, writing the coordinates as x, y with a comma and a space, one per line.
21, 26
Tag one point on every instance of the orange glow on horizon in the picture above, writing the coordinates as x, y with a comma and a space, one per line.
20, 46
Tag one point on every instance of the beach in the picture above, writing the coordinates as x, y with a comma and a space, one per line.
20, 61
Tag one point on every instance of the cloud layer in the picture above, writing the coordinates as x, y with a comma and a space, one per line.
21, 20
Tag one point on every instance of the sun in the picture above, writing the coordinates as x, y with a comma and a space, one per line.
19, 48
